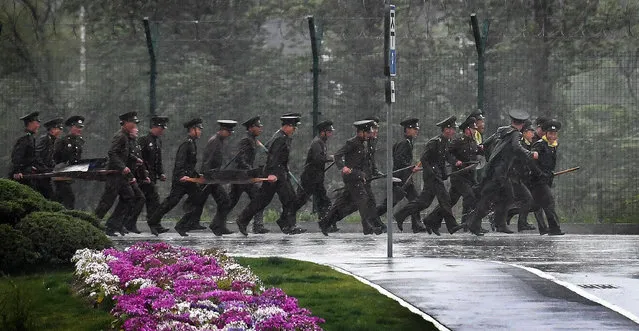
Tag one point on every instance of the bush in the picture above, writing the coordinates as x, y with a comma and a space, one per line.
56, 236
83, 215
16, 250
17, 200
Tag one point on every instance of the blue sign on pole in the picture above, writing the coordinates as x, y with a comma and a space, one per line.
392, 51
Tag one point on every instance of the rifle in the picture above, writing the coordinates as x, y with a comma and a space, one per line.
68, 175
202, 180
565, 171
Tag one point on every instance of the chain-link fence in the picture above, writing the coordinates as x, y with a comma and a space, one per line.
201, 74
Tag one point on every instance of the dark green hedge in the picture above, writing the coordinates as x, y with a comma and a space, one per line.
16, 250
17, 200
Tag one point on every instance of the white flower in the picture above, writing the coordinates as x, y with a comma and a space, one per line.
140, 283
263, 313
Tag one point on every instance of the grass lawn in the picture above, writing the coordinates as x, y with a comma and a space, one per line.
344, 302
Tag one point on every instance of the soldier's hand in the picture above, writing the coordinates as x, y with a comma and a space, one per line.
535, 155
147, 180
459, 163
17, 176
139, 161
417, 169
346, 170
163, 177
184, 178
272, 178
126, 171
132, 181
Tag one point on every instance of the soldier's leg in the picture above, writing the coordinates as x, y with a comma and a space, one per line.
258, 220
137, 204
286, 194
420, 203
111, 188
525, 199
323, 202
123, 207
64, 194
45, 187
333, 214
178, 190
469, 199
443, 198
151, 198
361, 200
488, 191
218, 224
264, 197
547, 202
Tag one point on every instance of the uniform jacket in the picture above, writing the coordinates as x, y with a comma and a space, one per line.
546, 162
465, 149
68, 149
152, 155
279, 148
354, 154
503, 147
403, 157
246, 152
213, 154
23, 155
434, 158
186, 159
315, 161
44, 152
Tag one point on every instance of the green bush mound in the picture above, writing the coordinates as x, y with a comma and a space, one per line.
16, 250
17, 200
83, 215
56, 236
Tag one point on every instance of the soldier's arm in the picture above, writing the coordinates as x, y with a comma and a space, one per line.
158, 161
244, 149
118, 147
318, 158
276, 149
426, 162
402, 155
18, 156
58, 148
339, 155
180, 160
41, 152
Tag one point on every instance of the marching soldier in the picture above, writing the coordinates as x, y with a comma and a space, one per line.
433, 162
119, 184
464, 149
480, 125
276, 164
312, 179
44, 155
151, 150
539, 128
504, 148
141, 176
372, 145
244, 160
23, 155
547, 149
185, 162
68, 150
354, 161
402, 158
213, 157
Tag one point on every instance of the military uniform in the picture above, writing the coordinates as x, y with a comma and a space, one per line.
185, 162
402, 158
312, 179
23, 155
244, 160
434, 161
141, 175
68, 150
279, 149
213, 158
151, 146
44, 155
357, 195
119, 184
465, 149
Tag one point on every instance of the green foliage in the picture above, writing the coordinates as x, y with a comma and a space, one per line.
85, 216
16, 250
17, 200
270, 216
344, 302
57, 236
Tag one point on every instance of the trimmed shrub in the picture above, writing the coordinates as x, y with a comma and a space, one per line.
16, 250
17, 200
56, 236
83, 215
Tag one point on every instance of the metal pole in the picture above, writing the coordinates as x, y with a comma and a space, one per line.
390, 70
389, 179
480, 45
315, 70
153, 74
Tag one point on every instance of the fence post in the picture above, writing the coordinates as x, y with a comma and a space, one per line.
153, 72
315, 71
480, 45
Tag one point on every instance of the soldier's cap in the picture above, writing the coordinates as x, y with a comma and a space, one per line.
194, 123
410, 123
478, 114
227, 124
541, 120
468, 123
30, 117
325, 126
160, 121
131, 116
518, 115
448, 123
54, 123
254, 121
528, 126
375, 120
291, 119
75, 120
551, 125
364, 125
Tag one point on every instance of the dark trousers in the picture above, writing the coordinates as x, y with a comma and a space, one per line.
45, 187
460, 187
117, 186
544, 198
356, 196
433, 188
286, 194
64, 194
252, 190
318, 191
135, 207
178, 190
221, 200
524, 201
498, 191
151, 198
401, 191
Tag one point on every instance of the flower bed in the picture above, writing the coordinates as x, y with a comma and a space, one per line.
161, 287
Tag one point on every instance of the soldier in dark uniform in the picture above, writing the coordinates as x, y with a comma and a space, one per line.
463, 148
119, 184
504, 147
480, 125
433, 162
44, 155
539, 128
279, 148
23, 155
372, 146
353, 159
244, 160
185, 162
213, 160
151, 150
68, 150
541, 184
402, 158
312, 179
141, 176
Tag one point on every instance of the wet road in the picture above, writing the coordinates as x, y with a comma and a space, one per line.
602, 267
